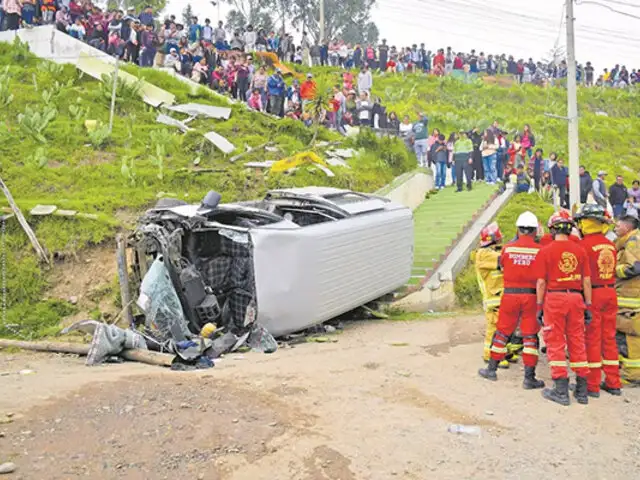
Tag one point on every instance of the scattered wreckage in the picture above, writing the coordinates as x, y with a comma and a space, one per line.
275, 266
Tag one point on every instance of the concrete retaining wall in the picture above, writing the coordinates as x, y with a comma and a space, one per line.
408, 189
49, 43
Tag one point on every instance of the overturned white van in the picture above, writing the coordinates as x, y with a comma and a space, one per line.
298, 257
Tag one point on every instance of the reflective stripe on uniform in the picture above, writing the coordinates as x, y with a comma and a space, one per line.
620, 269
525, 250
498, 349
630, 363
578, 364
595, 365
491, 303
496, 273
610, 362
558, 363
628, 302
530, 351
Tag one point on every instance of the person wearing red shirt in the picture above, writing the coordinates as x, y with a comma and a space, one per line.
518, 302
308, 90
564, 276
602, 350
438, 63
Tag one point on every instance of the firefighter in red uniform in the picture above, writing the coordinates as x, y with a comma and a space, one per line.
564, 277
602, 351
518, 302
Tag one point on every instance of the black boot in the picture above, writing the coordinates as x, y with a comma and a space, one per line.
581, 394
613, 391
490, 372
559, 393
530, 380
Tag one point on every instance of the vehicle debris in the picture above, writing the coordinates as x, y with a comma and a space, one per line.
224, 145
172, 122
194, 109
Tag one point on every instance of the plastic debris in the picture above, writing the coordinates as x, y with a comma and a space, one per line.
465, 429
41, 210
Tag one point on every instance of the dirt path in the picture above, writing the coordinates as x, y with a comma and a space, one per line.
374, 405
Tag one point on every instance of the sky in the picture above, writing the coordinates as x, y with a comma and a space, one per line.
523, 28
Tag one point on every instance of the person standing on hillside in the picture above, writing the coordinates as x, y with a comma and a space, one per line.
383, 55
308, 90
489, 148
365, 80
463, 162
599, 189
476, 141
440, 155
559, 175
276, 86
420, 132
617, 196
585, 184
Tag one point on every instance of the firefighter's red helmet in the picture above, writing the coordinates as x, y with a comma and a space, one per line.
490, 234
559, 218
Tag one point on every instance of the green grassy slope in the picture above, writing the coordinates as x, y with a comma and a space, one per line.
58, 162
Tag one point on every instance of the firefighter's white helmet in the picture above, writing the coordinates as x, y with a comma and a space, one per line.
527, 220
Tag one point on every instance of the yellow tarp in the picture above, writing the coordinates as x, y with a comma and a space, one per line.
296, 160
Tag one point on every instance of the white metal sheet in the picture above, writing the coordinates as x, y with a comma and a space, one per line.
219, 141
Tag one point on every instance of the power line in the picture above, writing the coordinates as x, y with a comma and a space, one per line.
626, 4
468, 19
620, 12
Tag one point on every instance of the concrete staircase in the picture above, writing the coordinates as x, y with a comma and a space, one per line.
439, 222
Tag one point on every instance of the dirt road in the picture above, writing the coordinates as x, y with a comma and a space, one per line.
376, 404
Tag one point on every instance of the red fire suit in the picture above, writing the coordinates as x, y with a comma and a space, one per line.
564, 265
602, 351
518, 300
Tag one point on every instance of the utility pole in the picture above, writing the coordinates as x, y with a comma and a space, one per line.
321, 22
572, 111
113, 95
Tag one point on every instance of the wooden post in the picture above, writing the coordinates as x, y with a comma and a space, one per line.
123, 277
134, 355
23, 223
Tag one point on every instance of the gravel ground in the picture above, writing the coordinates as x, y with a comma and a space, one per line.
376, 404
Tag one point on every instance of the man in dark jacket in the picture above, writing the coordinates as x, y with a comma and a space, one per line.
585, 184
617, 196
476, 140
559, 174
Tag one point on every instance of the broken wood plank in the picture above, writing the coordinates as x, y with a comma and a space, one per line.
134, 355
252, 149
123, 277
23, 223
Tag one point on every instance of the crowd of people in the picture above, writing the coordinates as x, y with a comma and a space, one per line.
577, 286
